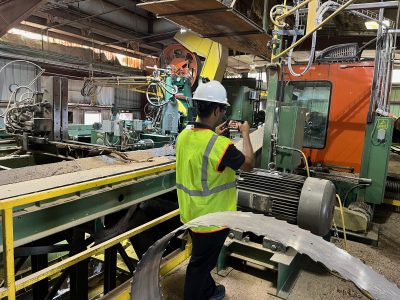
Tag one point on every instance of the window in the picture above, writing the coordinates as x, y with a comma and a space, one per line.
70, 117
126, 116
315, 96
92, 117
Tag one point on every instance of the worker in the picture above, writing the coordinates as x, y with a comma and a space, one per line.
206, 162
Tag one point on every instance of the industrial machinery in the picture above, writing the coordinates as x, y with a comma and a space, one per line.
38, 112
94, 202
169, 107
45, 160
309, 117
337, 117
245, 96
305, 201
128, 135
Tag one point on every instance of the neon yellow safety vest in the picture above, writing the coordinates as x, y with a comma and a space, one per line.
202, 189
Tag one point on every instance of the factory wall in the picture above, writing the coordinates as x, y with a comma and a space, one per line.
101, 102
21, 73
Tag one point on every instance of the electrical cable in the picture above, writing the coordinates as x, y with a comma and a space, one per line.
301, 40
312, 52
351, 189
302, 153
343, 224
320, 13
29, 85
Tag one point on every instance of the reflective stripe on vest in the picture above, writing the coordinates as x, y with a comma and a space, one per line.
201, 188
204, 169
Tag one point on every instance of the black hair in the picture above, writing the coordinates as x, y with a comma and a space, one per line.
205, 108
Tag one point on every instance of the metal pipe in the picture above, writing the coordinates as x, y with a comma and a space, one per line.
69, 142
265, 16
275, 57
374, 5
388, 71
288, 13
375, 79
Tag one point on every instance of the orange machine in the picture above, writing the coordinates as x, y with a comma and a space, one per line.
350, 90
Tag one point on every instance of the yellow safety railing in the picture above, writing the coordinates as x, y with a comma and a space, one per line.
6, 206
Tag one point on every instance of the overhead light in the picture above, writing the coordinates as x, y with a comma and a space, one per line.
183, 30
372, 25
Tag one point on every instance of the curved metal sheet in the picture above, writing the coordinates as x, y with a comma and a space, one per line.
145, 284
146, 280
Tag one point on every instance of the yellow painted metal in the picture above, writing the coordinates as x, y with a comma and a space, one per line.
176, 260
392, 202
123, 292
215, 54
8, 253
31, 198
312, 15
290, 12
70, 261
8, 235
336, 12
125, 295
263, 93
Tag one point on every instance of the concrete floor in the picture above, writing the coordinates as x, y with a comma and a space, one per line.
313, 281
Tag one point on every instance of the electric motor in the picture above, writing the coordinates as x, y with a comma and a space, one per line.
306, 201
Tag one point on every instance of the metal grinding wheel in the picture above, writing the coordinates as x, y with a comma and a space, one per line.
316, 205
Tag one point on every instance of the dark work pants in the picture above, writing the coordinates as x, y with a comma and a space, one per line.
199, 284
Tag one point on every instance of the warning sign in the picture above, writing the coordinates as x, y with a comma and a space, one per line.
383, 124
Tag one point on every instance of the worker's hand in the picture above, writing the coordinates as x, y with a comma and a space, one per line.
244, 128
221, 129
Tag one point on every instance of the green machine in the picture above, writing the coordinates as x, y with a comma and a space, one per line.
244, 98
80, 132
126, 135
290, 137
283, 128
377, 144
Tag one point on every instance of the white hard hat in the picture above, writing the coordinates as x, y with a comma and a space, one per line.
212, 91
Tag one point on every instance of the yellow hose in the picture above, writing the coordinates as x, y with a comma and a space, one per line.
343, 225
302, 153
306, 162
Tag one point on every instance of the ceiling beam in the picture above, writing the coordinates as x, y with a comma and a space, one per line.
74, 39
93, 40
95, 25
12, 12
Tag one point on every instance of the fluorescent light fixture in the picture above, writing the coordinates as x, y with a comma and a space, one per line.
183, 30
372, 25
